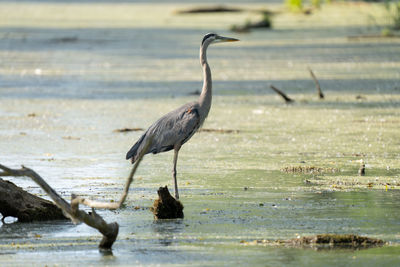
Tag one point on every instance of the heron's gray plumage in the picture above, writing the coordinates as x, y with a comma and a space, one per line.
176, 127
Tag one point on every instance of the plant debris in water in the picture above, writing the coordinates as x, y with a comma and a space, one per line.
125, 130
308, 169
66, 39
324, 241
215, 9
264, 23
218, 130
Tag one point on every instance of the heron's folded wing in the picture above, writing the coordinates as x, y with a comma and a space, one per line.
175, 128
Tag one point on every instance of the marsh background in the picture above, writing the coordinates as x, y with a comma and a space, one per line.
71, 72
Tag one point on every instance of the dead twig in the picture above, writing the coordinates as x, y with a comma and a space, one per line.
361, 170
282, 94
317, 85
72, 211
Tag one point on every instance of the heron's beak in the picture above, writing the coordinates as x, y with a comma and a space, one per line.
222, 39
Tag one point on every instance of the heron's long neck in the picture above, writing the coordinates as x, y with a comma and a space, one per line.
206, 92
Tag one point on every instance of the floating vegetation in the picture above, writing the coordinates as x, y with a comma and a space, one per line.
71, 138
308, 169
66, 39
324, 241
339, 241
353, 183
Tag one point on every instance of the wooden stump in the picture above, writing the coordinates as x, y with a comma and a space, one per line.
16, 202
166, 207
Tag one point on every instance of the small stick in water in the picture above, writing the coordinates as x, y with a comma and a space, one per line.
320, 94
361, 171
282, 94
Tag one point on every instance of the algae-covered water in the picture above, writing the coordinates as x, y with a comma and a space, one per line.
71, 73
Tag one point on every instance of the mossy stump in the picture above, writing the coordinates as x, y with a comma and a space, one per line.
166, 207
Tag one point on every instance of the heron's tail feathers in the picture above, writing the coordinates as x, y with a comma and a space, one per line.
134, 151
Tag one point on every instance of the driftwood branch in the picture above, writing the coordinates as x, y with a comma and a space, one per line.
92, 219
282, 94
317, 85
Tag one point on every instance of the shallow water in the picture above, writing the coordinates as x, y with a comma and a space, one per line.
67, 83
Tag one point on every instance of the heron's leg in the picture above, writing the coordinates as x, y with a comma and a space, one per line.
176, 151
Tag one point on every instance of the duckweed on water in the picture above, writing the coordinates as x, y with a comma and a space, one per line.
331, 241
308, 169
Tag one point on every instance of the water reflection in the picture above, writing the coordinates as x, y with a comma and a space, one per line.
107, 255
19, 230
8, 220
167, 229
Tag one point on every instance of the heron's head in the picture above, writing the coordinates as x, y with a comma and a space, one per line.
212, 38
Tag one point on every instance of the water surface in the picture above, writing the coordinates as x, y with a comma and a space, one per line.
69, 79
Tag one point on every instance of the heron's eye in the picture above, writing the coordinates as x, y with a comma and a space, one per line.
207, 36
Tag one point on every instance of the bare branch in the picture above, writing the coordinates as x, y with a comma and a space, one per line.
317, 85
282, 94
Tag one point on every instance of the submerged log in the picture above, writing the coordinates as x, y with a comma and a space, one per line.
16, 202
166, 207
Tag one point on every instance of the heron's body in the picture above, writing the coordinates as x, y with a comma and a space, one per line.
176, 127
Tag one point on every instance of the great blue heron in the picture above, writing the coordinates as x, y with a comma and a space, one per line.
175, 128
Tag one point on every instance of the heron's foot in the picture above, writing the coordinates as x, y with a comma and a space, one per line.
176, 195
